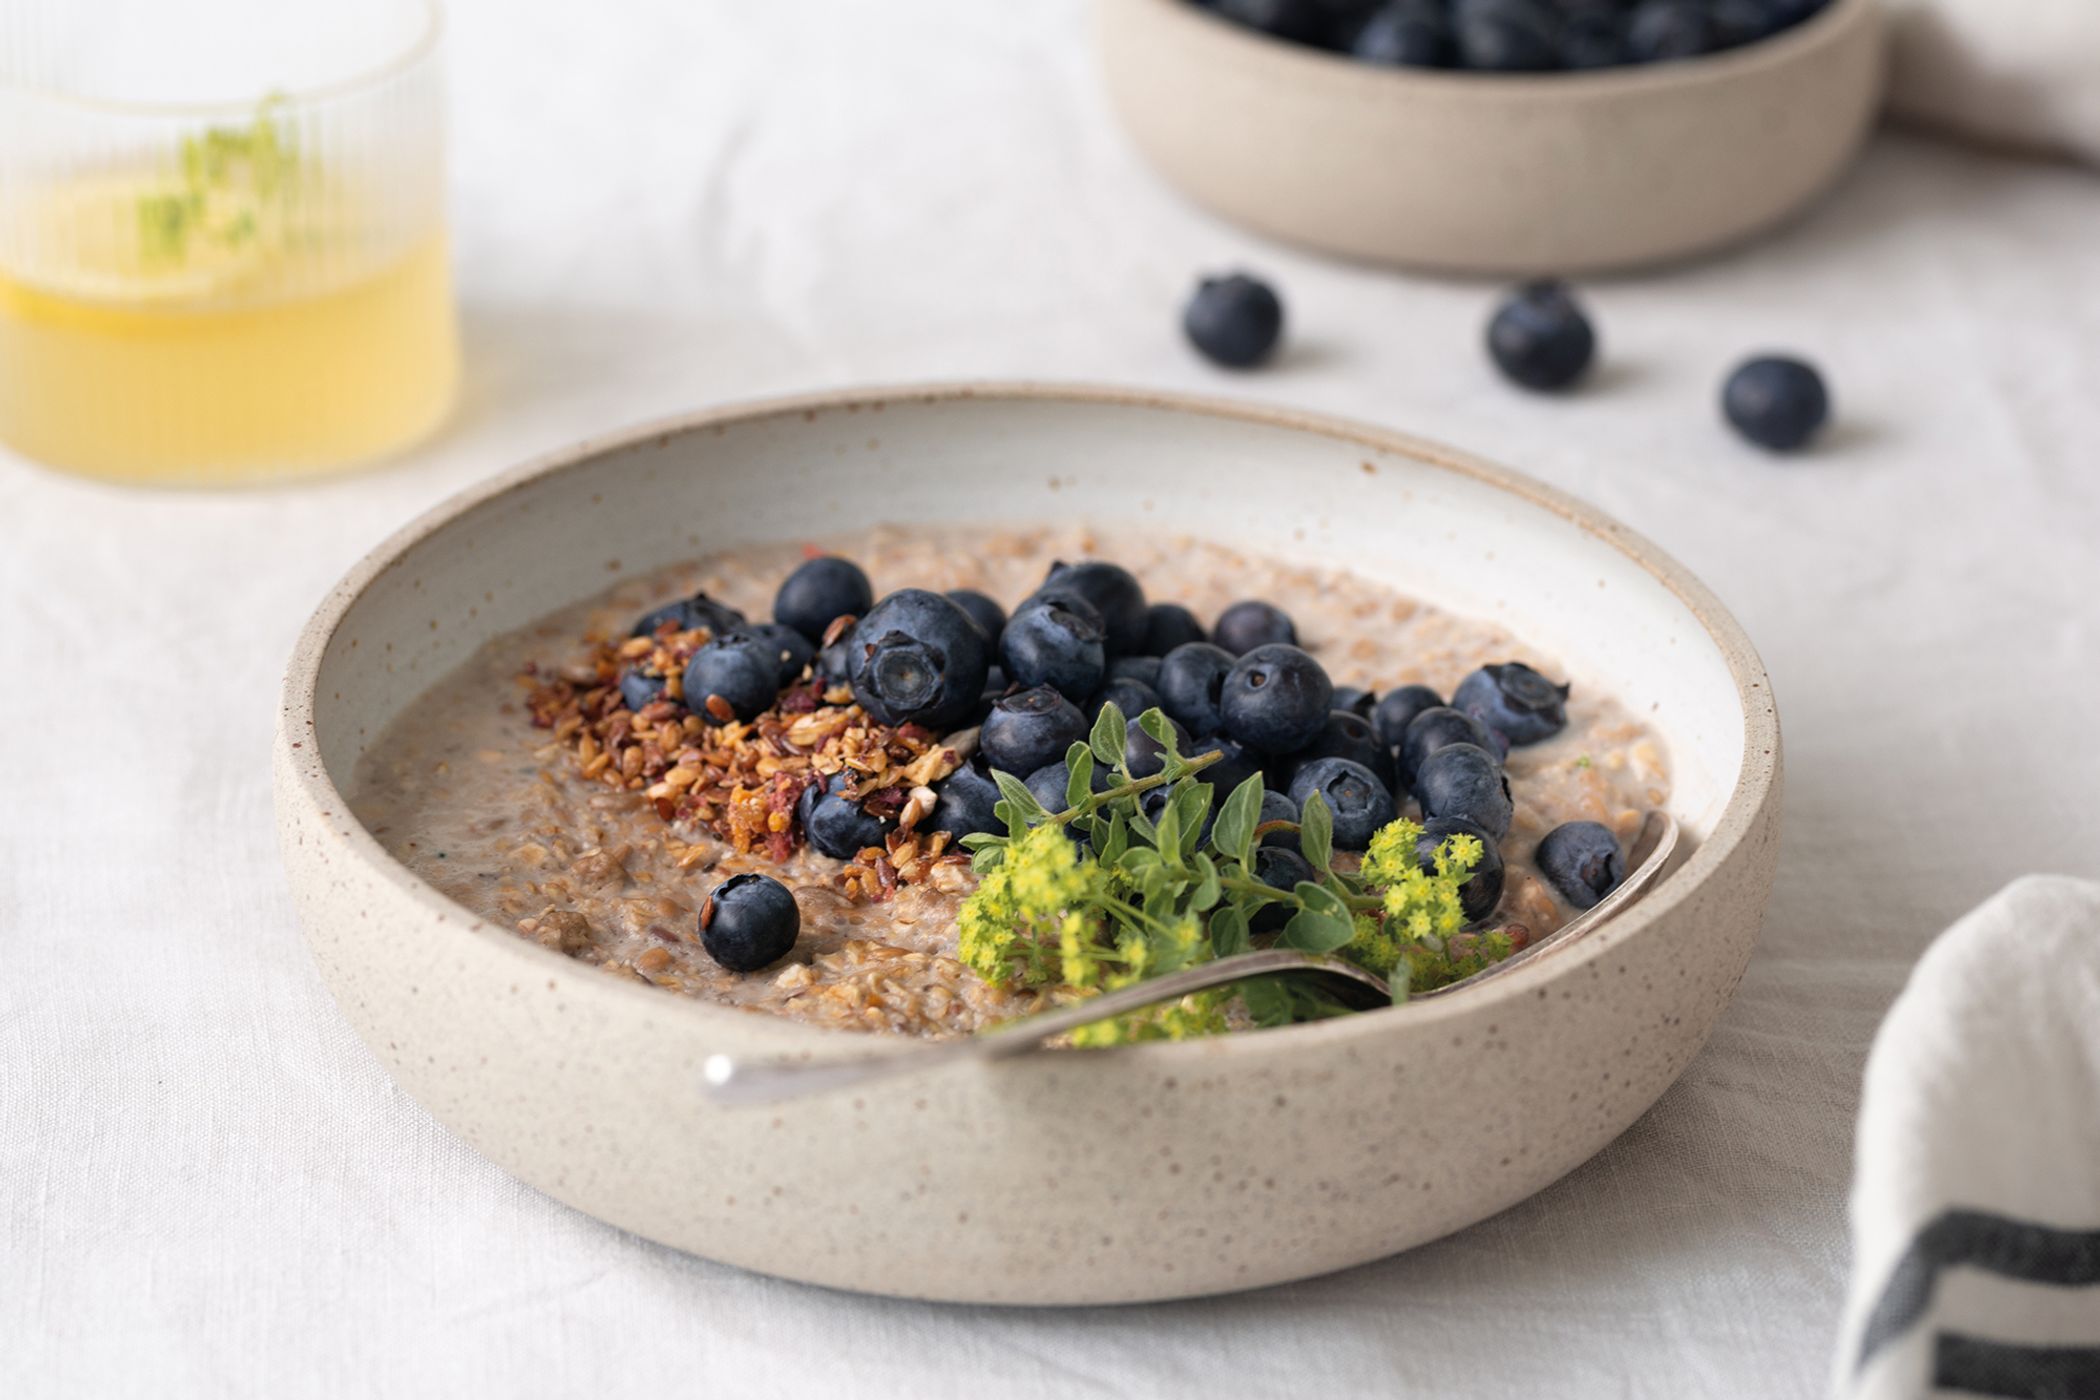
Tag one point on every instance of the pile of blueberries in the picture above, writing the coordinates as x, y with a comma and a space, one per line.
1033, 683
1518, 36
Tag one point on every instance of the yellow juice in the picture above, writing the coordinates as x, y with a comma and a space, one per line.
273, 376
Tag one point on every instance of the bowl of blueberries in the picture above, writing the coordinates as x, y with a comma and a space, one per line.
1518, 137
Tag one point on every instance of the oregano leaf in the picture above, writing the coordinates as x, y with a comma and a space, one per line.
1232, 836
1316, 832
1111, 736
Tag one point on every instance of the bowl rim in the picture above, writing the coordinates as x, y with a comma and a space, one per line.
1755, 784
1306, 66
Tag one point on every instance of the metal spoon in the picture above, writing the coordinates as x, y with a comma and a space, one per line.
728, 1080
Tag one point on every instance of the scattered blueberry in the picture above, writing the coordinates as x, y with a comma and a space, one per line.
1404, 34
1592, 36
1169, 625
819, 591
835, 824
1583, 861
1056, 640
1660, 31
1048, 784
1305, 21
1515, 701
1396, 710
1115, 594
1146, 755
1776, 402
1275, 699
963, 800
987, 614
1278, 807
1465, 781
1235, 321
1355, 699
1133, 698
749, 922
793, 648
1479, 895
917, 658
1505, 36
1540, 338
1360, 803
688, 613
1439, 727
1252, 623
740, 668
1280, 868
1738, 22
640, 689
1030, 729
1191, 682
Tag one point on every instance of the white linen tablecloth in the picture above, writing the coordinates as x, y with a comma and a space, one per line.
208, 1187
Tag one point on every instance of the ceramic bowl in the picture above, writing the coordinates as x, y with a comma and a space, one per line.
1146, 1172
1517, 174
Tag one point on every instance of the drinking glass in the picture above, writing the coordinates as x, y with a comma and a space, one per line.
222, 235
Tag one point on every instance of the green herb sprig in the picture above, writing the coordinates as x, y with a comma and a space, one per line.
1099, 895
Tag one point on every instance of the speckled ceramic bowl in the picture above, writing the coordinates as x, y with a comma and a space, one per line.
1148, 1172
1517, 173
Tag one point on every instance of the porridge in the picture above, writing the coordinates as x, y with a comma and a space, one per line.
569, 783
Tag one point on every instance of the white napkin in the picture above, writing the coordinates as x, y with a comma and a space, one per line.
2023, 73
1976, 1199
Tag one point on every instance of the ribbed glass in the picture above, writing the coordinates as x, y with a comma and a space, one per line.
222, 234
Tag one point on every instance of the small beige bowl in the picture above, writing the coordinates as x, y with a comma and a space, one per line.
1153, 1171
1518, 174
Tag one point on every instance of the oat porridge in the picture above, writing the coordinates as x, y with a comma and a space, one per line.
807, 816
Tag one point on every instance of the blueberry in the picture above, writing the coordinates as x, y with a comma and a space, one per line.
1252, 623
1169, 625
1191, 682
640, 689
1302, 21
987, 614
740, 668
1776, 402
1479, 895
1142, 669
1278, 807
1540, 338
1145, 755
1280, 868
1505, 36
963, 800
1592, 37
1275, 699
1738, 22
834, 664
1114, 593
688, 613
918, 659
1048, 784
749, 922
1396, 710
1660, 31
1234, 766
1355, 699
1515, 701
1029, 730
1058, 641
1786, 13
1345, 735
1440, 727
1133, 698
794, 649
820, 590
1360, 803
1153, 804
835, 824
1465, 781
1582, 860
1235, 321
1404, 33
